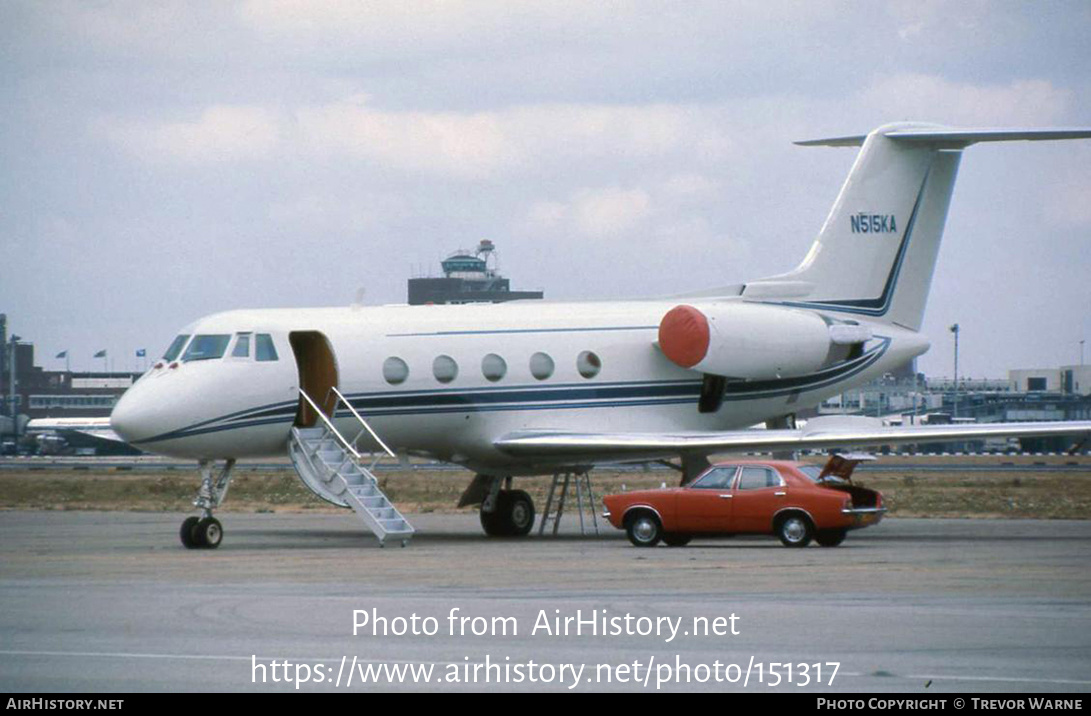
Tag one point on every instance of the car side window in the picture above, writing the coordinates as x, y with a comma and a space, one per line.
718, 478
758, 478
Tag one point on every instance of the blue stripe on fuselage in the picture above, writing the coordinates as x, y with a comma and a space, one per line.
563, 397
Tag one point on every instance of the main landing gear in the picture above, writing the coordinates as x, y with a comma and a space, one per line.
506, 512
206, 532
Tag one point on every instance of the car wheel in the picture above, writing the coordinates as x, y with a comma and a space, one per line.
795, 530
830, 538
674, 539
643, 529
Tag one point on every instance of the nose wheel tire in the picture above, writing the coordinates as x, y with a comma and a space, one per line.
795, 531
186, 533
201, 533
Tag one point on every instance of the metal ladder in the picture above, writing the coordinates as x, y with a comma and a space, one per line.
583, 486
333, 468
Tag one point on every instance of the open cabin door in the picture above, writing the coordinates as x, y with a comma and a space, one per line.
317, 374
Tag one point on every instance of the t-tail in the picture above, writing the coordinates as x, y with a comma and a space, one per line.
876, 252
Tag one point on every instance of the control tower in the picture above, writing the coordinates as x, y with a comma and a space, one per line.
468, 277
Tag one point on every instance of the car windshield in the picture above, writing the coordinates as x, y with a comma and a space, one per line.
176, 347
208, 347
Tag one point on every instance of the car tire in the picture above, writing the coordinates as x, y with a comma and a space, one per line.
830, 538
673, 539
643, 529
795, 530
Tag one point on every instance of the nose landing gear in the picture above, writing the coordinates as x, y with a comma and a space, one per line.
206, 532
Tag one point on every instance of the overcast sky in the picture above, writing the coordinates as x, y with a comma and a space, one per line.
166, 160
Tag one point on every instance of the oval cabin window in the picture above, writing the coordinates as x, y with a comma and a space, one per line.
588, 364
395, 370
493, 367
541, 366
445, 369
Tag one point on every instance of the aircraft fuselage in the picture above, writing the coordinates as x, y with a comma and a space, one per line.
446, 381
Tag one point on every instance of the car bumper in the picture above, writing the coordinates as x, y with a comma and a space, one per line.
864, 516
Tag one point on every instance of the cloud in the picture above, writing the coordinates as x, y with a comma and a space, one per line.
1020, 102
594, 213
220, 134
458, 145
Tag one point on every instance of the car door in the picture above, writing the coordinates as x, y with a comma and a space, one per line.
705, 505
759, 492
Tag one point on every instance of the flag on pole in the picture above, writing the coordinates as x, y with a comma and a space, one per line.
141, 352
101, 354
62, 354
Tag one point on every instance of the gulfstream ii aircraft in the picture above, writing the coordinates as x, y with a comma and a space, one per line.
530, 388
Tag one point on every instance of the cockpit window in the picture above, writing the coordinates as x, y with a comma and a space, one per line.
176, 347
242, 346
207, 347
264, 347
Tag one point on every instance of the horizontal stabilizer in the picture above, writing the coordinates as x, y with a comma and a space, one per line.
956, 138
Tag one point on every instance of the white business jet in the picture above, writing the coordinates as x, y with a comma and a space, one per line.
530, 388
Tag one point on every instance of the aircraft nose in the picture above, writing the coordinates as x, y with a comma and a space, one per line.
131, 417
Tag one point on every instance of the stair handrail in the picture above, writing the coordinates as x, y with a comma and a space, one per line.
329, 425
374, 435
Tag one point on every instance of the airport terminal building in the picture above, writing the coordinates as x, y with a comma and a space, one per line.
40, 393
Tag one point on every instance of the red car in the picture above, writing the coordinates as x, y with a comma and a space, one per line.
795, 501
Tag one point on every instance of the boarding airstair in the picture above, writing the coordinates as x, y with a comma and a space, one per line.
334, 469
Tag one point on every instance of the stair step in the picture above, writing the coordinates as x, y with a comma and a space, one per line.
329, 467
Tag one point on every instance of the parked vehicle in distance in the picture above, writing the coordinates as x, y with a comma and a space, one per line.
795, 501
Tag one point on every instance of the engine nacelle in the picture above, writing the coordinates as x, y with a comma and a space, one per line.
751, 342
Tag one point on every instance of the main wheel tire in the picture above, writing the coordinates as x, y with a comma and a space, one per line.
520, 513
673, 539
209, 533
795, 530
830, 538
513, 516
186, 533
643, 529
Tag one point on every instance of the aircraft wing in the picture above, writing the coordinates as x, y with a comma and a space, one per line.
96, 428
602, 447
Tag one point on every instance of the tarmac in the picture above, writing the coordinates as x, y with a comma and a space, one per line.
111, 602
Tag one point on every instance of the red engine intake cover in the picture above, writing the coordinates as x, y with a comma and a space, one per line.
684, 336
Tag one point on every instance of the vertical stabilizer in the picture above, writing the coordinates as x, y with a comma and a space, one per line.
876, 253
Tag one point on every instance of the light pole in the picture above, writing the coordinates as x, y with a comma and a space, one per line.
13, 412
954, 329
